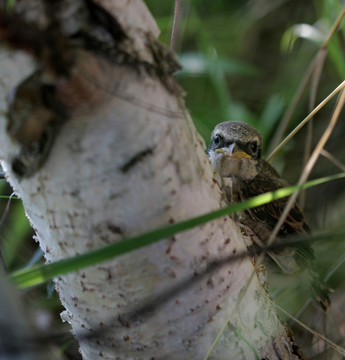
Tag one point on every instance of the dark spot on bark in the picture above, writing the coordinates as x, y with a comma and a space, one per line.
101, 17
120, 320
171, 273
85, 288
209, 283
18, 166
75, 193
126, 338
115, 229
136, 159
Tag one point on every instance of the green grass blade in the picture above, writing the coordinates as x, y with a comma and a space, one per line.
40, 273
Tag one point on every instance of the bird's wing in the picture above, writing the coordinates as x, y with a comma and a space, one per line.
269, 214
266, 181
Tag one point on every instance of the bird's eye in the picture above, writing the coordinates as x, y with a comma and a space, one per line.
217, 139
254, 147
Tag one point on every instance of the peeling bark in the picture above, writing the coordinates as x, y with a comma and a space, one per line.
126, 159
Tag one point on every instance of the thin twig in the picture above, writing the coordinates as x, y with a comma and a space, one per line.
291, 109
335, 266
305, 120
334, 27
302, 87
326, 154
2, 220
320, 61
310, 164
175, 24
333, 345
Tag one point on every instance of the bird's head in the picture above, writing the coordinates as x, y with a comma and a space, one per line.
235, 139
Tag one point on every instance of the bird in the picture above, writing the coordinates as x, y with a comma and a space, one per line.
235, 152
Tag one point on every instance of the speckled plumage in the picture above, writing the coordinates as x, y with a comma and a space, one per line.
235, 152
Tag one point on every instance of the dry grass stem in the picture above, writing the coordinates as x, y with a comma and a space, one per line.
175, 24
302, 87
305, 120
332, 159
333, 345
310, 164
320, 61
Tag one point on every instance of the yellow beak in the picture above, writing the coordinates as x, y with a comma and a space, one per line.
234, 151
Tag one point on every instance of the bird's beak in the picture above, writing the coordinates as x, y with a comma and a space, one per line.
233, 151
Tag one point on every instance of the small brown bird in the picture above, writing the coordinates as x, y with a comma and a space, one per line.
235, 152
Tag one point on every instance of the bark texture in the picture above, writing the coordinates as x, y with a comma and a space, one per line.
125, 159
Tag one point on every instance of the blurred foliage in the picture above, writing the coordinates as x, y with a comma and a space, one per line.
243, 60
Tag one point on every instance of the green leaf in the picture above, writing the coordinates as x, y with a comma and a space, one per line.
197, 63
10, 4
40, 273
304, 31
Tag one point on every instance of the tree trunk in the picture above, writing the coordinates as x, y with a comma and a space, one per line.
124, 158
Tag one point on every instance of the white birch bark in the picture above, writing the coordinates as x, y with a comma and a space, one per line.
127, 161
